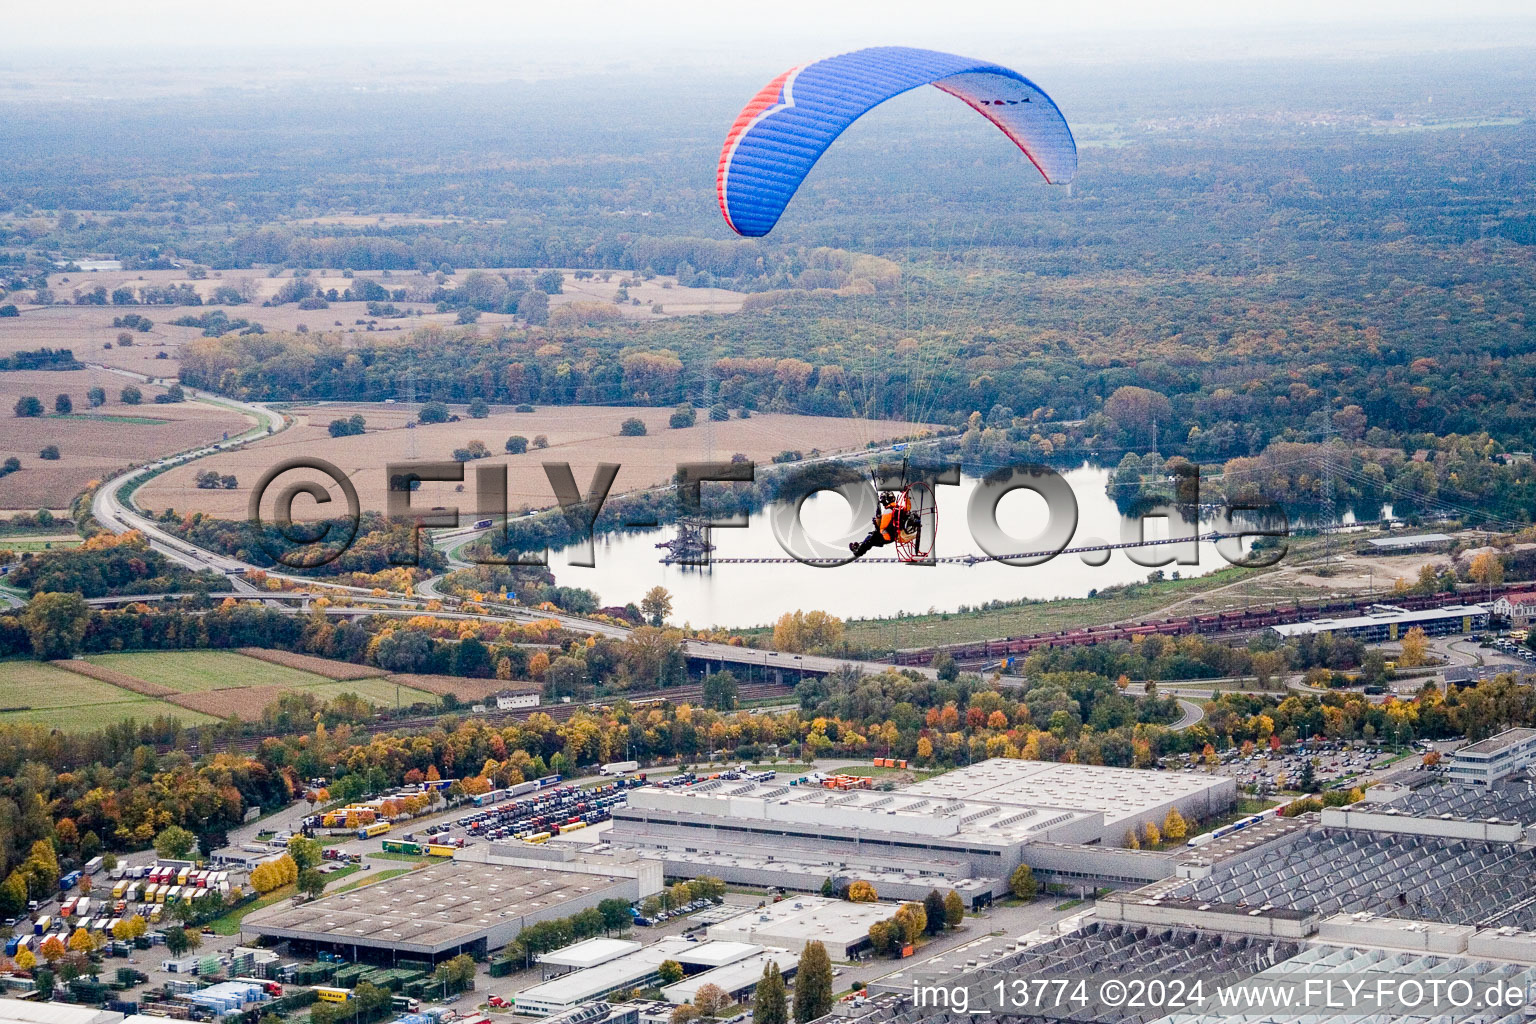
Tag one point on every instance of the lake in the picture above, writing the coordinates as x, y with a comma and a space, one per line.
740, 595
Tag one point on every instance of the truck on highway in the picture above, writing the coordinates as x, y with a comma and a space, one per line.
618, 767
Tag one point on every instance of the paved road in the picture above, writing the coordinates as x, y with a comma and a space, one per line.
1193, 714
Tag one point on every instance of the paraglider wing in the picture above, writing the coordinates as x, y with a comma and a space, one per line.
781, 134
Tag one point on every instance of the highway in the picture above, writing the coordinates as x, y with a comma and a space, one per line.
115, 516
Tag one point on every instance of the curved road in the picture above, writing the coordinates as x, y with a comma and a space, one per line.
118, 517
1193, 715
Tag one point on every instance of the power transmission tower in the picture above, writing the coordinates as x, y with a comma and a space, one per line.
1326, 479
410, 406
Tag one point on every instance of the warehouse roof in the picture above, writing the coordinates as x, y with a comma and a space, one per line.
733, 977
1117, 793
804, 919
1503, 741
431, 910
589, 953
21, 1011
581, 986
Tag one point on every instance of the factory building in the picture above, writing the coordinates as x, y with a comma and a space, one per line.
437, 912
1487, 761
727, 964
1384, 623
965, 830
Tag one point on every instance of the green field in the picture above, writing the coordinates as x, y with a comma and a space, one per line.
50, 543
107, 417
190, 671
375, 691
193, 671
73, 703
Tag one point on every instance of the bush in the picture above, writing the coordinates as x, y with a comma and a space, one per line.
63, 404
478, 410
28, 406
633, 427
683, 416
433, 412
172, 396
9, 310
349, 426
540, 441
131, 395
49, 453
523, 408
517, 444
719, 412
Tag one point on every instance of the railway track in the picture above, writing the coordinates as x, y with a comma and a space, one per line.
1233, 624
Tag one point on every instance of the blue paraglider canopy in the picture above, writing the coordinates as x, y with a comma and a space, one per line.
779, 136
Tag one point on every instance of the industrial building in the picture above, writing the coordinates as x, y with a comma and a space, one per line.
1487, 761
738, 979
965, 830
1386, 622
842, 927
1432, 882
437, 912
581, 956
702, 962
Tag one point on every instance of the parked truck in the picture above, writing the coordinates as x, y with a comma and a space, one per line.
619, 767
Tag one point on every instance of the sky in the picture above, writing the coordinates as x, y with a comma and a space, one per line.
595, 32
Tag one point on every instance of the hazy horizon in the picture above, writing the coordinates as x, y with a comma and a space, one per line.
160, 46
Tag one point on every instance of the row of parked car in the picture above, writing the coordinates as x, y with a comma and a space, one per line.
667, 915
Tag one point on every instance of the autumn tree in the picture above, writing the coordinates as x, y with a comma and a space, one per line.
862, 892
710, 1000
1415, 650
671, 972
1137, 411
1175, 828
802, 632
954, 909
656, 605
1022, 883
1487, 570
80, 941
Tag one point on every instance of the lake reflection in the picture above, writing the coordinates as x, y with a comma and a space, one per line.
746, 595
